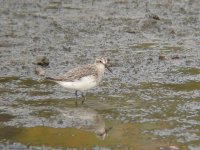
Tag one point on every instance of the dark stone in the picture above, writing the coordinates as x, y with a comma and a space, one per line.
161, 57
42, 61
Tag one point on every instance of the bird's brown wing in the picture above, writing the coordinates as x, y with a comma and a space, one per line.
77, 73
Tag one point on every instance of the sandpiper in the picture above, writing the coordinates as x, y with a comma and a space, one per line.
84, 77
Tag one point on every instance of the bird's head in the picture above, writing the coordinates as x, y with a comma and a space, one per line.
101, 60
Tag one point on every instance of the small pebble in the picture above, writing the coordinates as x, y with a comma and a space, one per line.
175, 57
42, 61
161, 57
39, 71
154, 16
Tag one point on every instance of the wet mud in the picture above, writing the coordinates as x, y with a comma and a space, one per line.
152, 99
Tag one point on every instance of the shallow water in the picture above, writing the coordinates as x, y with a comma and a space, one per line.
152, 99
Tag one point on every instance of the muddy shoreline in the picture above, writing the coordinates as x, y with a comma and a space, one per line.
152, 98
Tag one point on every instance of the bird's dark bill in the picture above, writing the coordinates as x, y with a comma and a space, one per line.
108, 68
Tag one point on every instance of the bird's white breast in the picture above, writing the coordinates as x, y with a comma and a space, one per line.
82, 84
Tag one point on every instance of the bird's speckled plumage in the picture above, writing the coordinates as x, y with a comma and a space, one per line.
84, 77
96, 70
77, 73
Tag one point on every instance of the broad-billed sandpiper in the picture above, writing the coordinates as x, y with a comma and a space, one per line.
84, 77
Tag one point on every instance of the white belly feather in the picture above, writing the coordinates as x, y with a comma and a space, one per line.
82, 84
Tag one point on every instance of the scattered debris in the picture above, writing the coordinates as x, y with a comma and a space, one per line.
172, 32
42, 61
154, 16
39, 71
175, 57
161, 57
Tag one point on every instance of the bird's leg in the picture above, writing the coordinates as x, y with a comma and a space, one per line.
76, 93
83, 96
